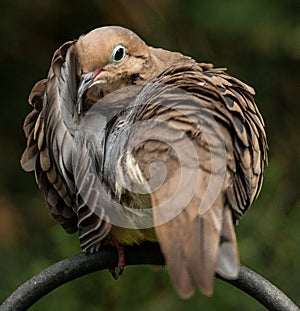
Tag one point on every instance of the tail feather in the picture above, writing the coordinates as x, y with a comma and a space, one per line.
177, 264
228, 263
196, 247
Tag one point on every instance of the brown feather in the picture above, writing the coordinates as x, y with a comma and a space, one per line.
201, 125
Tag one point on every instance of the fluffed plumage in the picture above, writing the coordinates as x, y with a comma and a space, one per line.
119, 127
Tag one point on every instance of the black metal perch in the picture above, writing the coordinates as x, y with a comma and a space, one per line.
73, 267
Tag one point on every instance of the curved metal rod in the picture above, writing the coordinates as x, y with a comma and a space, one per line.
149, 253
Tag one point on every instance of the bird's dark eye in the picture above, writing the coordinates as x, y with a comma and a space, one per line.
119, 52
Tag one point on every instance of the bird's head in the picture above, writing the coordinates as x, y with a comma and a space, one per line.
110, 58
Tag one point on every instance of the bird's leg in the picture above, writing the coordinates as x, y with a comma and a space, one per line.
121, 255
121, 262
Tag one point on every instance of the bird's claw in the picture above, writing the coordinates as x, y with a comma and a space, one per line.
121, 262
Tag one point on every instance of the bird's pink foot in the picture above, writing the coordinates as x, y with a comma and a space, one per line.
121, 262
121, 255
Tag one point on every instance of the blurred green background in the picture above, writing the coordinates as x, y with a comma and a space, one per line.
257, 40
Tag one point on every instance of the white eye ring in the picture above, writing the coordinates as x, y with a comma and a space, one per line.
118, 53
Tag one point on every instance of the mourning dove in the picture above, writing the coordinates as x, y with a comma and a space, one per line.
131, 143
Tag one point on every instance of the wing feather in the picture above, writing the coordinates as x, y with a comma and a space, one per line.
196, 243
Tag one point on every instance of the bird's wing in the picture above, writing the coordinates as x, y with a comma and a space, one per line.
47, 135
249, 142
186, 148
98, 207
231, 103
55, 151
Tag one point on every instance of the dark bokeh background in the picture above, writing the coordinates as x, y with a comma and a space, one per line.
257, 40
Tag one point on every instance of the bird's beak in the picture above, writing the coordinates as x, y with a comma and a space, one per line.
87, 80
